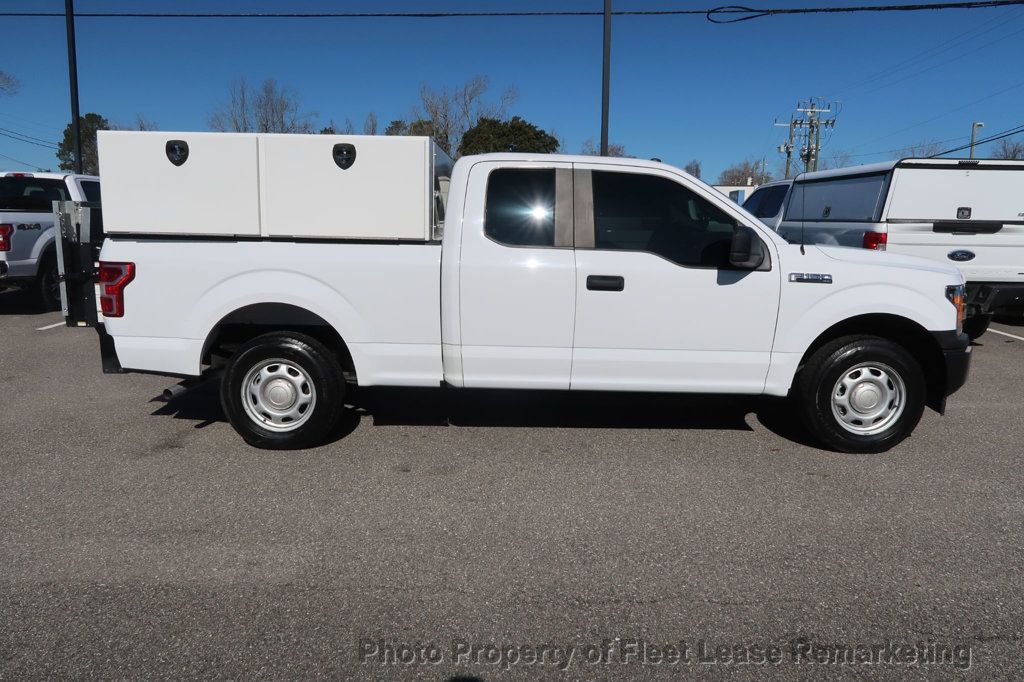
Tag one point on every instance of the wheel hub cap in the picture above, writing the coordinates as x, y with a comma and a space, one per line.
278, 395
868, 398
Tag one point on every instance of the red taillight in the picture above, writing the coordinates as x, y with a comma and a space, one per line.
6, 230
876, 240
114, 277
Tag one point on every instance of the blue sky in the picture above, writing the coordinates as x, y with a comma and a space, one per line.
682, 88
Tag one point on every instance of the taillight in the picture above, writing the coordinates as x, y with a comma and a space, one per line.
6, 230
114, 277
876, 240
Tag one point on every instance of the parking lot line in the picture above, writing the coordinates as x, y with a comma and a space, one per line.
1012, 336
50, 326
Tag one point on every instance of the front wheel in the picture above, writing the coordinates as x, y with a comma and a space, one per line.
861, 394
283, 390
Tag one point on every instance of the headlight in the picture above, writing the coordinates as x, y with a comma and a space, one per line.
957, 296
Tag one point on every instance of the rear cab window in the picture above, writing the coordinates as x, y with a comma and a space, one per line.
21, 193
520, 208
91, 190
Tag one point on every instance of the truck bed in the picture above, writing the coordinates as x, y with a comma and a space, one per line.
385, 296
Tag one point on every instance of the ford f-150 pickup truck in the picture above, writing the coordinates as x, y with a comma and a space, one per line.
27, 234
302, 266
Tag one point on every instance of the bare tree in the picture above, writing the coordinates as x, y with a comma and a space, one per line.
141, 123
693, 168
453, 111
8, 83
745, 172
1009, 149
837, 158
614, 149
270, 108
922, 149
370, 124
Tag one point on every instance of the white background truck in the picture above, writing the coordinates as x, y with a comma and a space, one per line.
303, 266
27, 235
966, 212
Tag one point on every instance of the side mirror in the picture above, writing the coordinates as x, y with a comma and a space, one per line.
746, 250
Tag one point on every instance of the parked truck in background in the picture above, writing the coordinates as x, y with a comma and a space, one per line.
27, 234
966, 212
305, 266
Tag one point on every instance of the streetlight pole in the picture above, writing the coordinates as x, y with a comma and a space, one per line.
605, 75
974, 134
76, 124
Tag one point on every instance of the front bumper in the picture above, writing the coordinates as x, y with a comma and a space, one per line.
987, 297
956, 354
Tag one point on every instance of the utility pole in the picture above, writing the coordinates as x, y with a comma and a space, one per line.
605, 74
76, 123
787, 147
974, 134
807, 123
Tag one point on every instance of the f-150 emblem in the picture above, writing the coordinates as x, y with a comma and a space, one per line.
344, 155
961, 255
177, 151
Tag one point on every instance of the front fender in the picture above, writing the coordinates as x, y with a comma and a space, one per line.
802, 320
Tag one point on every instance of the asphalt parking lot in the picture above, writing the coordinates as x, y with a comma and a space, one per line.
145, 539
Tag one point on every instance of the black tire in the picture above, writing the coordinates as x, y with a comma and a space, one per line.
47, 283
819, 379
976, 325
319, 375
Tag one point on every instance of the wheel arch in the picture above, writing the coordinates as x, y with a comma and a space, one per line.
900, 330
249, 321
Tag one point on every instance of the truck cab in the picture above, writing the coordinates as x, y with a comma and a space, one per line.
570, 273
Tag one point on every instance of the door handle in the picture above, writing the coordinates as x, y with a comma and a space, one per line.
605, 283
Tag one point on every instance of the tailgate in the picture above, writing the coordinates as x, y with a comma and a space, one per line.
991, 252
79, 238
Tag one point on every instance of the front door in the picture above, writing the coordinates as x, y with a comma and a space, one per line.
658, 308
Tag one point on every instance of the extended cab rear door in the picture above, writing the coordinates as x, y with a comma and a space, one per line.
517, 276
658, 308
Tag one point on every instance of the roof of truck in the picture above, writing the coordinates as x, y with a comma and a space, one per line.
46, 176
887, 166
573, 158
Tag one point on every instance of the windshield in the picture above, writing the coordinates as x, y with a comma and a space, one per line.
767, 201
31, 194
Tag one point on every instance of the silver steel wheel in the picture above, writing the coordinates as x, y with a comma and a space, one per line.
868, 398
278, 395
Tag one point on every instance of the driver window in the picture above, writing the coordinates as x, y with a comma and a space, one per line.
636, 212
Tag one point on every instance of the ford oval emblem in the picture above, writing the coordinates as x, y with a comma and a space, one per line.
961, 255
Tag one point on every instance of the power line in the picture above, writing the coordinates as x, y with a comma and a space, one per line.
720, 15
47, 145
29, 137
23, 163
985, 140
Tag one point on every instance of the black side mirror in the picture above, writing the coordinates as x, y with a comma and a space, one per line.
746, 250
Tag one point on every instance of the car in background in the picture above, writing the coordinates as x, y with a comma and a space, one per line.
965, 212
28, 258
768, 202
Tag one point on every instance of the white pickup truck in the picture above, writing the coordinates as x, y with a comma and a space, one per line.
303, 266
27, 234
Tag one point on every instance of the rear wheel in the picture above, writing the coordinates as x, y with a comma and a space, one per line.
861, 394
976, 325
283, 390
47, 284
